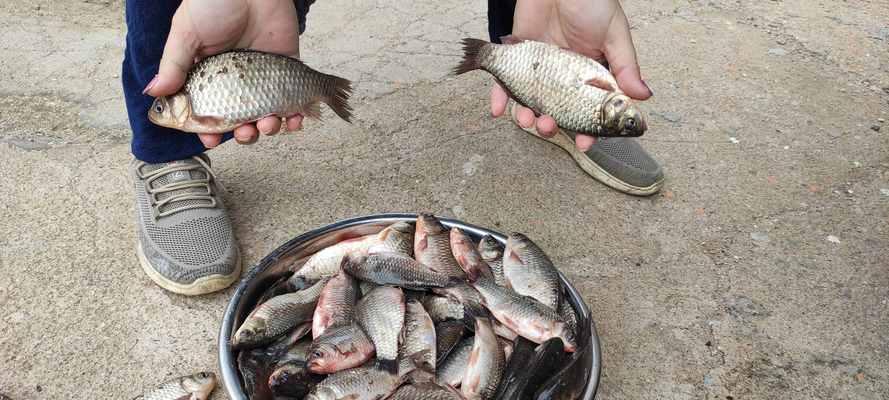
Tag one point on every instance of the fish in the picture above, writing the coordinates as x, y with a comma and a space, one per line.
522, 314
467, 256
258, 363
367, 382
432, 246
277, 316
471, 303
196, 386
398, 238
447, 334
530, 272
396, 270
335, 304
580, 94
491, 252
339, 348
418, 349
566, 311
442, 308
507, 346
453, 368
425, 391
486, 363
380, 313
290, 376
229, 89
528, 370
366, 286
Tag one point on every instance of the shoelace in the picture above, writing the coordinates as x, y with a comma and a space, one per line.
204, 183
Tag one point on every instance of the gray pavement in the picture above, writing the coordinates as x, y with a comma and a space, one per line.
760, 271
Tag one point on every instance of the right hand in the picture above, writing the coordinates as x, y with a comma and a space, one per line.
202, 28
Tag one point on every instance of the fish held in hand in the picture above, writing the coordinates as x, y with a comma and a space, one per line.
339, 348
579, 93
196, 387
229, 89
530, 272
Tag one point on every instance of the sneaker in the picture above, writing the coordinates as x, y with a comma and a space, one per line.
620, 163
186, 242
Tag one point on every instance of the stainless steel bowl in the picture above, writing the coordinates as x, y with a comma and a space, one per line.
579, 379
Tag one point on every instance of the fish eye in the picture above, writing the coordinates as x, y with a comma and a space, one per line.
317, 354
630, 123
158, 107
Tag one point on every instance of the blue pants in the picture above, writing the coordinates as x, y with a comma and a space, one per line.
148, 24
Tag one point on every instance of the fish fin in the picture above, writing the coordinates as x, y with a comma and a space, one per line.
511, 39
337, 96
601, 83
311, 110
472, 49
390, 366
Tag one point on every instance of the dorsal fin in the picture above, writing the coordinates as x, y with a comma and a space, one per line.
602, 83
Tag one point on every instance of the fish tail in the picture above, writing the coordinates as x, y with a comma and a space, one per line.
337, 95
472, 49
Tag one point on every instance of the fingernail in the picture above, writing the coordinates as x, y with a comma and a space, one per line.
650, 92
150, 85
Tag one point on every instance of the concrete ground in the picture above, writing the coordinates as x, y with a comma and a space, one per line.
760, 271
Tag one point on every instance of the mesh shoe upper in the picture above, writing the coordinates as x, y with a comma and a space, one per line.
624, 159
184, 230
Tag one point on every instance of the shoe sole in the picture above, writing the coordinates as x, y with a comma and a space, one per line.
564, 142
205, 285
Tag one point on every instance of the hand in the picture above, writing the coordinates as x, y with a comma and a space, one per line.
201, 28
595, 28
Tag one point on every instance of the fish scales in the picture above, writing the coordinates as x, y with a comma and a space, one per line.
425, 391
453, 367
491, 252
485, 365
368, 382
335, 304
530, 271
380, 313
197, 387
418, 348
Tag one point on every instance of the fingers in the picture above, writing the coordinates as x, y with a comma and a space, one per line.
584, 142
621, 55
269, 125
546, 126
524, 116
178, 57
210, 140
499, 99
246, 134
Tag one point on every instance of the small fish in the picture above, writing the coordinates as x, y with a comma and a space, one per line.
578, 92
326, 262
486, 363
396, 270
380, 313
229, 89
453, 368
467, 255
419, 344
277, 316
195, 387
491, 252
339, 348
335, 304
425, 391
368, 382
522, 314
432, 246
530, 272
448, 334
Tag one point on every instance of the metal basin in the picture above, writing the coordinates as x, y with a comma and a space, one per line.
578, 379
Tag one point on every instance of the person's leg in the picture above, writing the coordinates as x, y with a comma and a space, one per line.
620, 163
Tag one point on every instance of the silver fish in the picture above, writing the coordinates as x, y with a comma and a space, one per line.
522, 314
196, 387
491, 252
578, 92
277, 316
425, 391
486, 363
453, 368
447, 334
442, 308
380, 313
229, 89
432, 246
335, 304
530, 272
395, 269
339, 348
398, 238
419, 344
368, 382
467, 255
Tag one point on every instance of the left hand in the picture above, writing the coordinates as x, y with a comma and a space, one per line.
595, 28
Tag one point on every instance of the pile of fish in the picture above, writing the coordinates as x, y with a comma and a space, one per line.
416, 311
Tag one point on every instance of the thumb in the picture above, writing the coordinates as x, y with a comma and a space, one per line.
179, 55
621, 55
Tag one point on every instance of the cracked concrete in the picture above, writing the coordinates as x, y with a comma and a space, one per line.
760, 271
